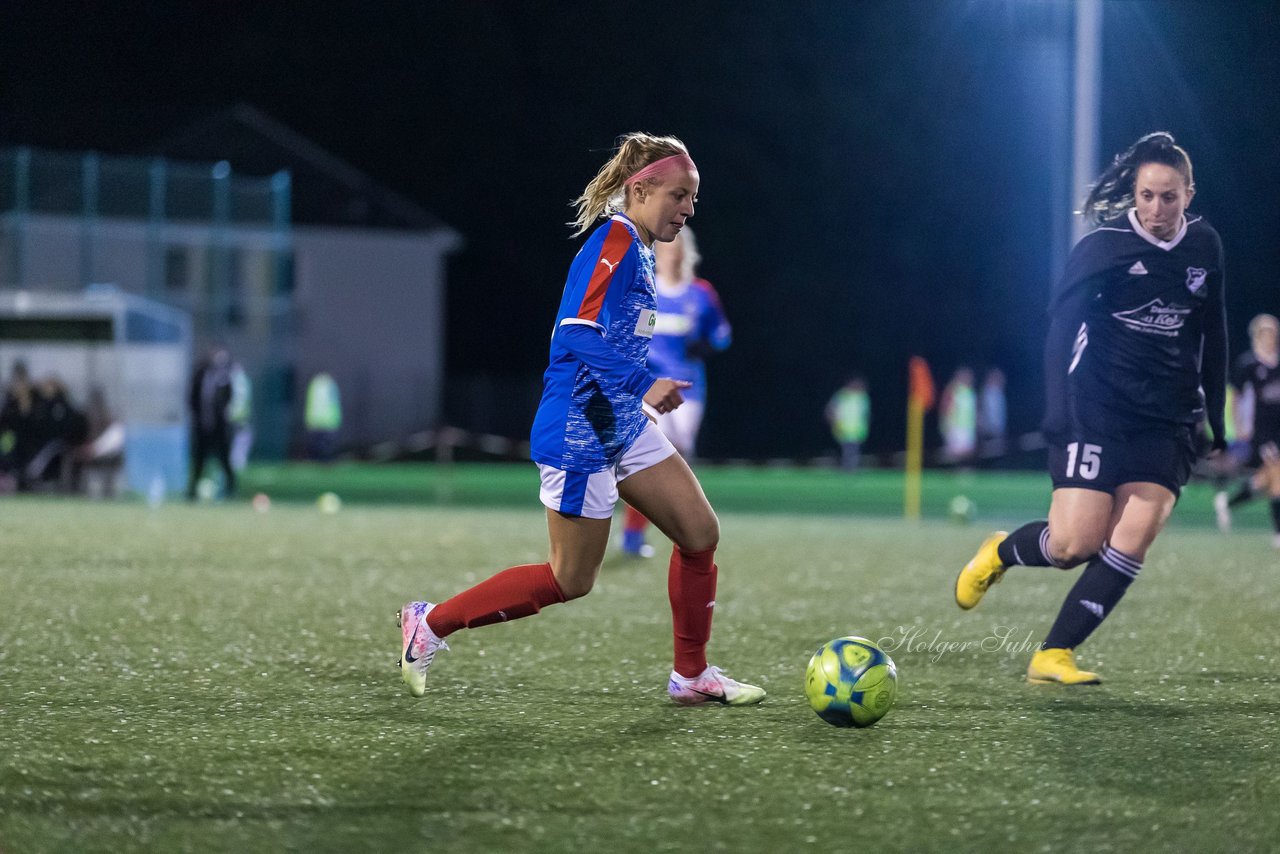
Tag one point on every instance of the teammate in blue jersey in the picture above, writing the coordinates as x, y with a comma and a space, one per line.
691, 325
1135, 358
592, 440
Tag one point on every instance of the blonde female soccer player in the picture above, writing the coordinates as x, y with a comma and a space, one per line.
592, 440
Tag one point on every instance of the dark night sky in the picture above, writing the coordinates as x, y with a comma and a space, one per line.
875, 177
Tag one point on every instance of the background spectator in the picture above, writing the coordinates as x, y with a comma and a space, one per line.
323, 417
210, 430
993, 418
958, 417
849, 414
240, 416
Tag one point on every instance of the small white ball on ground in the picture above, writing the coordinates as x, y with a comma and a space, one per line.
329, 503
962, 510
261, 502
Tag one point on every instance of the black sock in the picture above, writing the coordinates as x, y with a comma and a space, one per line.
1275, 514
1243, 494
1101, 586
1027, 546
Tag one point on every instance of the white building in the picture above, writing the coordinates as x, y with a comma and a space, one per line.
295, 260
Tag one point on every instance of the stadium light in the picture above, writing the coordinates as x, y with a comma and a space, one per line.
1084, 137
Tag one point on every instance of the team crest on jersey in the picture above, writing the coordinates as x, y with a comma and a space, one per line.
1195, 278
1155, 318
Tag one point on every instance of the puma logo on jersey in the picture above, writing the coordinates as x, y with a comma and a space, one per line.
1155, 317
1137, 270
605, 261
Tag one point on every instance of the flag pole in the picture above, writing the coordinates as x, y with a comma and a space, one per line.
915, 459
919, 400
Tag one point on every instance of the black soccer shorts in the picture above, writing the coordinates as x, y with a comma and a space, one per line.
1155, 453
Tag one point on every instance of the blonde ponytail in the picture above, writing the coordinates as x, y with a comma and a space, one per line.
606, 194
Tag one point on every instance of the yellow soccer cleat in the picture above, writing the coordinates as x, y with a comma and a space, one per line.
984, 570
1058, 666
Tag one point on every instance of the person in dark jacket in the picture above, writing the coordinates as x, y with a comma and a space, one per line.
209, 396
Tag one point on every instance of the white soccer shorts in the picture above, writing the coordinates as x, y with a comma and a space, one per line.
594, 495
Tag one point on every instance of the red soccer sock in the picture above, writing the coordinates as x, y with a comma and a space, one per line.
634, 520
520, 591
691, 585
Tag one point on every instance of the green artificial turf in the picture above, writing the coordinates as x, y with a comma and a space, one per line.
1004, 497
208, 678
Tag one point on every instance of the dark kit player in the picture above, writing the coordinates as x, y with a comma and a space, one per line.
1256, 378
1135, 357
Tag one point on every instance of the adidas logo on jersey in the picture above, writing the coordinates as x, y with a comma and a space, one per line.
1137, 270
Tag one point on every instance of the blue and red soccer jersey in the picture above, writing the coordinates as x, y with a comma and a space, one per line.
592, 390
691, 323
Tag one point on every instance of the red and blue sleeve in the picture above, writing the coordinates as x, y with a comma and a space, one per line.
605, 273
614, 261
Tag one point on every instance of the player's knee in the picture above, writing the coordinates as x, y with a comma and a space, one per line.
574, 585
1072, 551
576, 588
700, 536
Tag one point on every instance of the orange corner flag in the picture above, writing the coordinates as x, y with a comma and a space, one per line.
920, 385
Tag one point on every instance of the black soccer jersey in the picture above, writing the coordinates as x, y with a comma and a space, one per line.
1138, 328
1263, 380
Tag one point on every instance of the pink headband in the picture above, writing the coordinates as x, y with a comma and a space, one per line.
661, 167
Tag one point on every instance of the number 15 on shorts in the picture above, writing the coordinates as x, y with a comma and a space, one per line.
1089, 458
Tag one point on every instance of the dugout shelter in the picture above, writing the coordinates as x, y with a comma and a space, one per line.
136, 350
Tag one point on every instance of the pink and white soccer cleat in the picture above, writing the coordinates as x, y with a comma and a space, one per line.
418, 645
712, 686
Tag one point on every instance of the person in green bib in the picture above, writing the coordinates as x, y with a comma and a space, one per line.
323, 417
849, 414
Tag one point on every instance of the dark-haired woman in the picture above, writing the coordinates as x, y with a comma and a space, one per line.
1135, 358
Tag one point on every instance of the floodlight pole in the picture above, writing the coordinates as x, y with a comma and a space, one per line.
1088, 72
